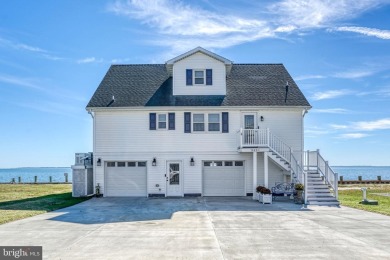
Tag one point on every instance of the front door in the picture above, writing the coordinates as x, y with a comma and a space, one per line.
174, 179
249, 126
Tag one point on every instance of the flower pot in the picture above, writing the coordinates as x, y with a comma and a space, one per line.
265, 198
298, 197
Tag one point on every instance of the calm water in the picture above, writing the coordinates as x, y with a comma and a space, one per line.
43, 174
57, 173
367, 172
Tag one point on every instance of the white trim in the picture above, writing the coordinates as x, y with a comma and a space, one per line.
199, 49
195, 108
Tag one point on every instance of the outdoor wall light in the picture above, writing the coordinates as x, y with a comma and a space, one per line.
99, 162
192, 162
261, 118
154, 162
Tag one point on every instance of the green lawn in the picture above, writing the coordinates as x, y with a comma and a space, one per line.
351, 195
19, 201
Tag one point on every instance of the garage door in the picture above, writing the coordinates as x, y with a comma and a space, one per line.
125, 179
223, 178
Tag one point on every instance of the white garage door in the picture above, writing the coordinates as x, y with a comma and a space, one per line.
125, 179
223, 178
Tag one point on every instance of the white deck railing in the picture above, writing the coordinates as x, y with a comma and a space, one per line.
250, 138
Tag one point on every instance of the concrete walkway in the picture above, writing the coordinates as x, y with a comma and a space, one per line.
202, 228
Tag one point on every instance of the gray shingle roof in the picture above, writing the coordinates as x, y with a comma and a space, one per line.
151, 85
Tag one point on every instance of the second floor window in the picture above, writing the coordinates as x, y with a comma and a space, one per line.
198, 122
199, 77
214, 122
162, 121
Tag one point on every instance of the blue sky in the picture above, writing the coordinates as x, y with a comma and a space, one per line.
53, 55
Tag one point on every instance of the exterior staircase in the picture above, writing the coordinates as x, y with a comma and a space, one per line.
320, 182
318, 192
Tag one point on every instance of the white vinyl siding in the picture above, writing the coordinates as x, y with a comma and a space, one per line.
196, 62
122, 135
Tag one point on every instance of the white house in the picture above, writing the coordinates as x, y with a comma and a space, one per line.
198, 125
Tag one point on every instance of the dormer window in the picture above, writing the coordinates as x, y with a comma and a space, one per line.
199, 77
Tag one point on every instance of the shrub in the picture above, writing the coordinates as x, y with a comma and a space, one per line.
263, 190
299, 186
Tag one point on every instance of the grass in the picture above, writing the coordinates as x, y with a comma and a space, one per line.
18, 201
351, 195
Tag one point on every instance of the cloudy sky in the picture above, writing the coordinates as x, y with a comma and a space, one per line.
53, 55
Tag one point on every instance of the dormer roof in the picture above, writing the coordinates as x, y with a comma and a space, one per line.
169, 64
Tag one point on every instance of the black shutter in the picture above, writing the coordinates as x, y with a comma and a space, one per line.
171, 121
152, 121
225, 122
187, 122
209, 77
188, 77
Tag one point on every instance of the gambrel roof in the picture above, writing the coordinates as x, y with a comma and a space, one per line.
151, 85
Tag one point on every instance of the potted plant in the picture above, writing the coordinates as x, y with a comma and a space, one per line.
264, 194
298, 194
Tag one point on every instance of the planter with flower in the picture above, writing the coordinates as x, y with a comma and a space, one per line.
264, 195
298, 194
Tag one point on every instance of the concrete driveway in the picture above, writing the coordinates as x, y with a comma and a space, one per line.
201, 228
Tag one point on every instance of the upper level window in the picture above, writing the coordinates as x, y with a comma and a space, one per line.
199, 77
214, 122
198, 122
162, 121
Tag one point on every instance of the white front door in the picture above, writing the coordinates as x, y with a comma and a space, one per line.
174, 179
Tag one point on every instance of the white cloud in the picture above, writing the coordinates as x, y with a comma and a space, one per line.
306, 77
355, 74
330, 94
380, 124
353, 136
29, 48
381, 34
320, 13
331, 111
24, 82
338, 127
181, 26
89, 60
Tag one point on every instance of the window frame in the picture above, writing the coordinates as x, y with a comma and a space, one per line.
194, 77
193, 123
206, 122
158, 121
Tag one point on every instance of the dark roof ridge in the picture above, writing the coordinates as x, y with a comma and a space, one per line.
139, 64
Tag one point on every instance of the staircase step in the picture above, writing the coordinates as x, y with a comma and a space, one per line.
324, 203
329, 198
325, 194
317, 191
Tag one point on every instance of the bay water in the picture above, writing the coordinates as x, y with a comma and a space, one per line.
43, 173
27, 173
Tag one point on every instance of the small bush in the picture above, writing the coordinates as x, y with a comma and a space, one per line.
263, 190
299, 186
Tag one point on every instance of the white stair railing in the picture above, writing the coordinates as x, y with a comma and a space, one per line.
315, 162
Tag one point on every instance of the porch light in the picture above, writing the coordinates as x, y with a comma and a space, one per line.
261, 118
192, 162
154, 162
99, 162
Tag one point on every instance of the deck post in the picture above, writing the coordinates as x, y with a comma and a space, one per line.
266, 169
254, 174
